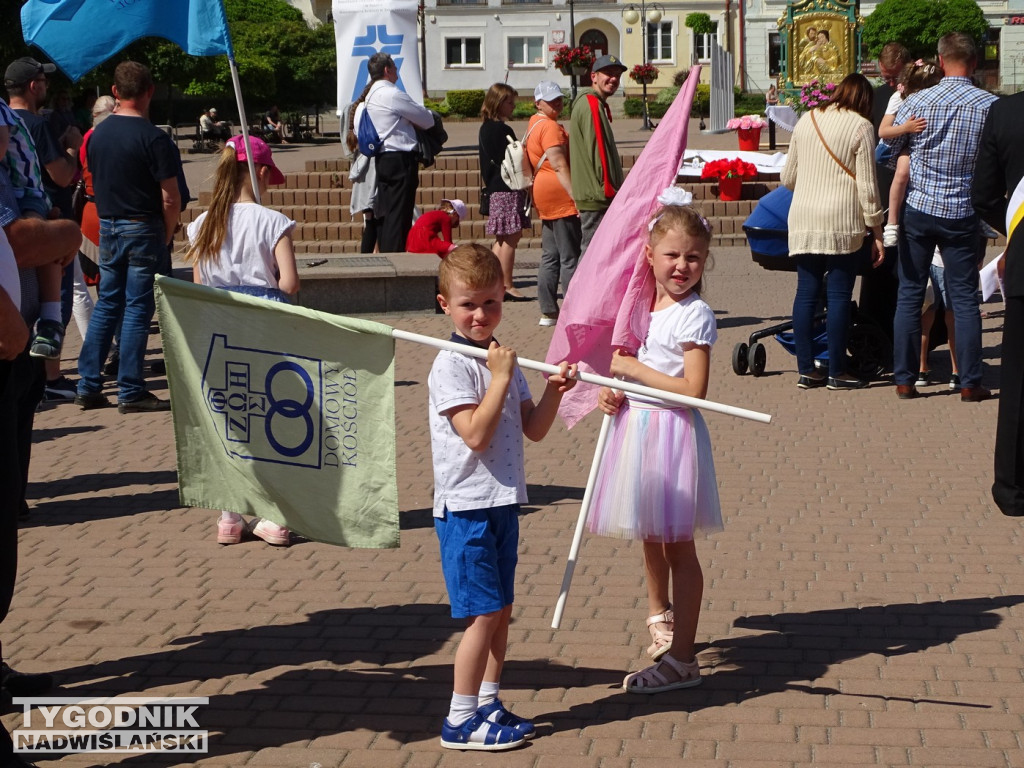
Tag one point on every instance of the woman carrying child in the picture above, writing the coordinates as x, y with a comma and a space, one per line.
240, 246
659, 484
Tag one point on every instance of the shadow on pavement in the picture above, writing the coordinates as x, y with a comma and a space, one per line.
796, 649
100, 503
383, 686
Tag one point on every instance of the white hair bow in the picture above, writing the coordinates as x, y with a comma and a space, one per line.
675, 196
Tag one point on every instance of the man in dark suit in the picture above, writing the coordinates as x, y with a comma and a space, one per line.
998, 173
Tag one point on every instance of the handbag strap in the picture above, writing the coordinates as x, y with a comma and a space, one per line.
832, 154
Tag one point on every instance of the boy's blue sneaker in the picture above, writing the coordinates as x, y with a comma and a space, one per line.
495, 712
480, 733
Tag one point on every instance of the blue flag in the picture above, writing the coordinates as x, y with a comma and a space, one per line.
79, 35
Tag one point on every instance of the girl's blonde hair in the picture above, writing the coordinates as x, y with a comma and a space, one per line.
688, 220
918, 75
227, 184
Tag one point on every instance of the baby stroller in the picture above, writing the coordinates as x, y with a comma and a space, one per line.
869, 346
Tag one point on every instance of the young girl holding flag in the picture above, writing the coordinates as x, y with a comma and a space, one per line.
659, 484
240, 246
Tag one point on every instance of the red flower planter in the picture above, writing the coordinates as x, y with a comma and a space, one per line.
750, 138
730, 189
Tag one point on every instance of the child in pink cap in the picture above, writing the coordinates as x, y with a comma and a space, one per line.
240, 246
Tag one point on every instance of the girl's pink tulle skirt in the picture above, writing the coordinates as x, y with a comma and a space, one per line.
657, 479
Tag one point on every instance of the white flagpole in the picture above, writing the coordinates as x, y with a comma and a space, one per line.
590, 378
245, 127
581, 522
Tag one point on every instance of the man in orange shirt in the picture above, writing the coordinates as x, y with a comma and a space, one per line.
548, 151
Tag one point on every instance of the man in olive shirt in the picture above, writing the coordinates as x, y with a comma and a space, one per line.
595, 167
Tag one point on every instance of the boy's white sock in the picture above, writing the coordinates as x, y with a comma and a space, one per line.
462, 708
234, 517
488, 693
50, 310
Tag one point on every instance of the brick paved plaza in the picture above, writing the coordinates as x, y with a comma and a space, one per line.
863, 607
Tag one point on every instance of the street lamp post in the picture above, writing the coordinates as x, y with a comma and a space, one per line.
648, 14
572, 44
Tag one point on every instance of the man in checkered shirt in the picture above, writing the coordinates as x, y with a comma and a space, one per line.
938, 212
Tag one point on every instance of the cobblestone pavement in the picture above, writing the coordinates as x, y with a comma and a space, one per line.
863, 606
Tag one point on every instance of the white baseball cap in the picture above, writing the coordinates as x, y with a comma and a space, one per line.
547, 91
460, 208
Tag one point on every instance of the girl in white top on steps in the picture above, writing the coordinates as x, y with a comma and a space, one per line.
240, 246
658, 481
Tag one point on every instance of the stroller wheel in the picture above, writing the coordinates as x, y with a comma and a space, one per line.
739, 358
758, 357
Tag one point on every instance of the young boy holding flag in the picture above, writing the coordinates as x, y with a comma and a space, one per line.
479, 412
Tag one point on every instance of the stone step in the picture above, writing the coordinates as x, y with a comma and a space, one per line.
443, 162
334, 247
430, 196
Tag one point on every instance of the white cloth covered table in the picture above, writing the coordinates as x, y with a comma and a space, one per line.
695, 159
784, 117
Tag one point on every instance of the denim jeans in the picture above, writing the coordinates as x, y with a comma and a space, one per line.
130, 252
958, 240
811, 271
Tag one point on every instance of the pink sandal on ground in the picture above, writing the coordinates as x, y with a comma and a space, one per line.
667, 675
662, 638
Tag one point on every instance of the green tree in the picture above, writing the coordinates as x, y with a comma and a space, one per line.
280, 59
919, 24
700, 23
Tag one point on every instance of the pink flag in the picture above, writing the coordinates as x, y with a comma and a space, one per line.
609, 299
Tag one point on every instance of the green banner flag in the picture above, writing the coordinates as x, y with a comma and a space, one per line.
282, 412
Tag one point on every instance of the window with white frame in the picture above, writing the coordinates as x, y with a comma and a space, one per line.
702, 43
526, 51
462, 52
661, 42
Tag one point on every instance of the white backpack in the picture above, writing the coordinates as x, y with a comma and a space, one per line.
516, 170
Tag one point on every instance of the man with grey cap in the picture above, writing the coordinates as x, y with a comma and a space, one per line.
547, 147
596, 165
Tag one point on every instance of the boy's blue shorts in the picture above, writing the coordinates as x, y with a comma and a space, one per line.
479, 552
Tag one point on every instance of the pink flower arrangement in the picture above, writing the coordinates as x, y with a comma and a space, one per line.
815, 94
746, 123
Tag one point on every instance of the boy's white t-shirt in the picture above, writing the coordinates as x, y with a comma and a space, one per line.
465, 479
690, 321
247, 254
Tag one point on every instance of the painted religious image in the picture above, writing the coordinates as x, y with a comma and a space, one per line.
818, 56
820, 49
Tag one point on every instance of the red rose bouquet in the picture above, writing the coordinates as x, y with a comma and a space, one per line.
728, 169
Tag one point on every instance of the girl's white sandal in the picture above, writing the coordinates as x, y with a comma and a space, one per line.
667, 675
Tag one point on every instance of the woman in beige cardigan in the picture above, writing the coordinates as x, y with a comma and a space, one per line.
831, 170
